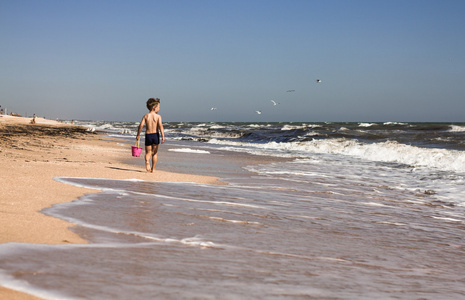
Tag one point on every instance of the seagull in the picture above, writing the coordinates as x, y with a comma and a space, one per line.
318, 81
258, 112
274, 102
213, 108
289, 91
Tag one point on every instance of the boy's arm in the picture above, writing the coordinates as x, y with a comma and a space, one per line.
162, 130
141, 125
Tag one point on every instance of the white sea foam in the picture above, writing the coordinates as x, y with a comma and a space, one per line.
198, 242
292, 127
366, 124
375, 204
114, 129
390, 151
447, 219
189, 150
394, 123
313, 133
456, 128
302, 126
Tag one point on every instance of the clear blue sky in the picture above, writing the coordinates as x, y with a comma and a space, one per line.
392, 60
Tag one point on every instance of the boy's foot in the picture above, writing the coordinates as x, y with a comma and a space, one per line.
147, 166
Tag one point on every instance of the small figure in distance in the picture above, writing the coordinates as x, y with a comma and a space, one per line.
153, 128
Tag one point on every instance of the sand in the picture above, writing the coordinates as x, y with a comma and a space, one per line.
31, 155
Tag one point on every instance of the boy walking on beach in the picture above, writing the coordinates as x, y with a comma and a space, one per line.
154, 127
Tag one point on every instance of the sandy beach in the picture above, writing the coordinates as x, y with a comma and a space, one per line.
31, 155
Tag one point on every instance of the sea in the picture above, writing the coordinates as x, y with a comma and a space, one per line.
305, 210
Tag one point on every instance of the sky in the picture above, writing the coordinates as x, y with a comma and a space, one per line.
378, 61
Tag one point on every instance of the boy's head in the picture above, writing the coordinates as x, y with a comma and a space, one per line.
152, 103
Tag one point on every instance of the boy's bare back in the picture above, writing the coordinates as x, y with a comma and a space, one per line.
152, 122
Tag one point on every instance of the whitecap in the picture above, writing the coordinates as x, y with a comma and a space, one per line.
366, 124
456, 128
389, 151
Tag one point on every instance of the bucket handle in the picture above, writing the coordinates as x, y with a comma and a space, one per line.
136, 144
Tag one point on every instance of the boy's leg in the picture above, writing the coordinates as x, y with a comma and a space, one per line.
148, 154
154, 156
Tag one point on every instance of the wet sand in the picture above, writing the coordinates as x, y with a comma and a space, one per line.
31, 155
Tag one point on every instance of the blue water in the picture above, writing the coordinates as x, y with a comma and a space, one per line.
329, 218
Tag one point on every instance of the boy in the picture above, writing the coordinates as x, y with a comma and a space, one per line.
154, 127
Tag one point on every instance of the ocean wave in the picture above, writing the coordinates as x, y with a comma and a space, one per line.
313, 133
114, 129
303, 126
393, 152
457, 128
394, 123
389, 151
217, 127
205, 132
366, 124
292, 127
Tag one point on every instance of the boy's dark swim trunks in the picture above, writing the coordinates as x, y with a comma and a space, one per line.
152, 139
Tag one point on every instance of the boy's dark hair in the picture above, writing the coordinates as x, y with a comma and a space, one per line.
152, 102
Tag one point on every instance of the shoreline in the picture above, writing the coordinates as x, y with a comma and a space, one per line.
32, 155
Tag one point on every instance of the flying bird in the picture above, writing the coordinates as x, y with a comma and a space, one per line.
289, 91
258, 112
318, 81
213, 108
274, 102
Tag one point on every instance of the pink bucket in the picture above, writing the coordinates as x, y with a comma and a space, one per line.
136, 150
